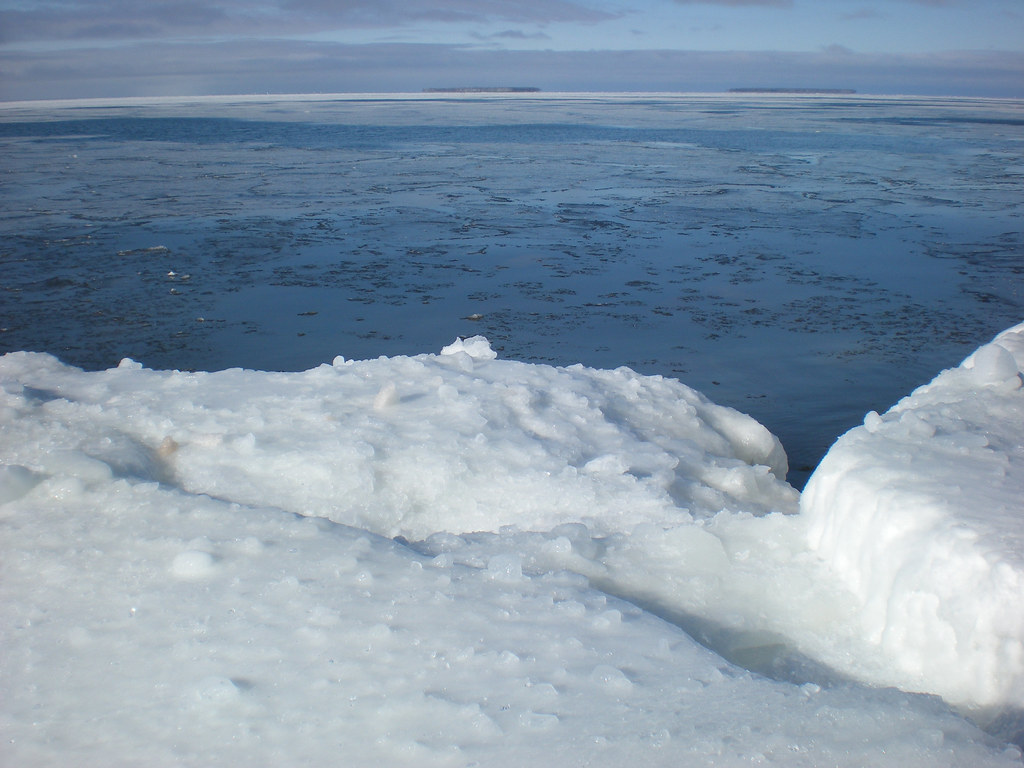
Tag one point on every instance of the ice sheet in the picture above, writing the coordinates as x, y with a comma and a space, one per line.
197, 570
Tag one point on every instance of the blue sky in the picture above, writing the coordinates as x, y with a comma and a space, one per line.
67, 48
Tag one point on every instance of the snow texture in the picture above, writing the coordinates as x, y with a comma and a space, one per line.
454, 559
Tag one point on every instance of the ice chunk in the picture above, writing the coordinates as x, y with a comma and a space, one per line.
992, 364
505, 567
921, 512
751, 441
476, 347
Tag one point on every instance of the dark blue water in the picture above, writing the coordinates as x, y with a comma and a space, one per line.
802, 259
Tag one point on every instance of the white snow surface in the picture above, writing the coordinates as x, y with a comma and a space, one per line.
921, 512
459, 560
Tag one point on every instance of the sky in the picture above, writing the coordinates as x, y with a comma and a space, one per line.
109, 48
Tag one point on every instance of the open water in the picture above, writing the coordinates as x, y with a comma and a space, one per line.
803, 259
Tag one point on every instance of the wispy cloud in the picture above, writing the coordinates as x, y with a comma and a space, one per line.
396, 12
117, 19
288, 67
513, 35
156, 19
61, 48
773, 3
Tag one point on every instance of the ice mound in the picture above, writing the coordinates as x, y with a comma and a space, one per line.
921, 512
414, 445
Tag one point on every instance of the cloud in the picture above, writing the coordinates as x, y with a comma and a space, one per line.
736, 3
160, 19
394, 12
116, 19
513, 34
244, 66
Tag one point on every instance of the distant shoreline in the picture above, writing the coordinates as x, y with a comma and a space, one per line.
793, 90
478, 89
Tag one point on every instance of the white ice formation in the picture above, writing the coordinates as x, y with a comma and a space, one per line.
920, 512
455, 559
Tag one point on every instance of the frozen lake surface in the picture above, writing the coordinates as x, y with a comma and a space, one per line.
804, 260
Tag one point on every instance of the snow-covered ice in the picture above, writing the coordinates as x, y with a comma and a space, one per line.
455, 559
919, 511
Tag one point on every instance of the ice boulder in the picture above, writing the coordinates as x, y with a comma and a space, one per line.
476, 347
921, 512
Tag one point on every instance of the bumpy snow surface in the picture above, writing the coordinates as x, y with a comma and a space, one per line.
458, 560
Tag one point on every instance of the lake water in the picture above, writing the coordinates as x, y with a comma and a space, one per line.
803, 259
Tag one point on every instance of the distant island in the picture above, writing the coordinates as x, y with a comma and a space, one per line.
475, 89
792, 90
